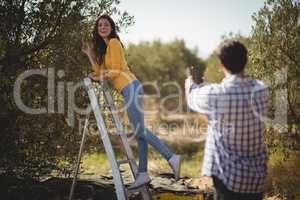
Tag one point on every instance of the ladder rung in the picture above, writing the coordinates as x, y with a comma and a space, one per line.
121, 162
106, 106
117, 133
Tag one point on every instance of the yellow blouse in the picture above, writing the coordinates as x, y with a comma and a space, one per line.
115, 66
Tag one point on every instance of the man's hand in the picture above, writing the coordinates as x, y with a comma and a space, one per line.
189, 83
197, 73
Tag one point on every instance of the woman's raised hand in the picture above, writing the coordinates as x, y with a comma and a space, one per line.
86, 48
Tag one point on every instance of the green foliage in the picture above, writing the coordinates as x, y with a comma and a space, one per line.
162, 64
284, 175
275, 38
275, 58
213, 72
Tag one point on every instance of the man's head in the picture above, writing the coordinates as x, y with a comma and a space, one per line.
233, 56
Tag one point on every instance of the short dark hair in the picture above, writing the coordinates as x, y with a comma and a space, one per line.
233, 55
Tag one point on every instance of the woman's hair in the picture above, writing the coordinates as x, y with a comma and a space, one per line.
100, 45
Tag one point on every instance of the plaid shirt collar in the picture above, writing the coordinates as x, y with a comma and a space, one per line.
234, 79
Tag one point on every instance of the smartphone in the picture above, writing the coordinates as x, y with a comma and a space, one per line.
197, 73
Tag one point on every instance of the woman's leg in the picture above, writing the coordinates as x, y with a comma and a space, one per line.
133, 95
157, 144
136, 118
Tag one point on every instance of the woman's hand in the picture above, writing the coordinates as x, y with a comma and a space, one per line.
87, 49
98, 77
95, 77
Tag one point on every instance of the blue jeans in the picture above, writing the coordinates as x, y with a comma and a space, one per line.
133, 96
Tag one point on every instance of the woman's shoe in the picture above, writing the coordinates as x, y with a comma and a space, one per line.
175, 163
141, 180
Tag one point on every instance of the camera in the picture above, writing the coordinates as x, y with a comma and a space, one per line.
197, 73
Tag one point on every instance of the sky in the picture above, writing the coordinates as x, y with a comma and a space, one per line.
200, 23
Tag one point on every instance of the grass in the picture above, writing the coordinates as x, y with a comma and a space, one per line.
183, 138
97, 164
191, 167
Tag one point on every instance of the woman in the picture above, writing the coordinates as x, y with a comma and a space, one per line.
110, 64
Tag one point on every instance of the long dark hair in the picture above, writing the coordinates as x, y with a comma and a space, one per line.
100, 45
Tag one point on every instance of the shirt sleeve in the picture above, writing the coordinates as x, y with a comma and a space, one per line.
96, 69
259, 99
117, 59
199, 97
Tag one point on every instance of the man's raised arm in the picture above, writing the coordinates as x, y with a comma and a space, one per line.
199, 97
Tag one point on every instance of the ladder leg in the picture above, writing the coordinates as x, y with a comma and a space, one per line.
79, 157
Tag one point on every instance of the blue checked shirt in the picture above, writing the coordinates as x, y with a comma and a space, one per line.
234, 151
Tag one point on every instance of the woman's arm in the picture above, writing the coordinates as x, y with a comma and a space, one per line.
118, 61
88, 50
199, 97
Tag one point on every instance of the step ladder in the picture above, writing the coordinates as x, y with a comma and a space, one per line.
121, 191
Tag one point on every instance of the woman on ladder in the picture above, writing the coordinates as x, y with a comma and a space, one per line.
110, 63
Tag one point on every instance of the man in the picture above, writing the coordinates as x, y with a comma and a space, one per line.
235, 154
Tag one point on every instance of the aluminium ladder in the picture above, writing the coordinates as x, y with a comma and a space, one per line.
121, 191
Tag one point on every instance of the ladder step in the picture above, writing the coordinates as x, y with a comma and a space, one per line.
118, 133
106, 106
133, 191
121, 162
136, 190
